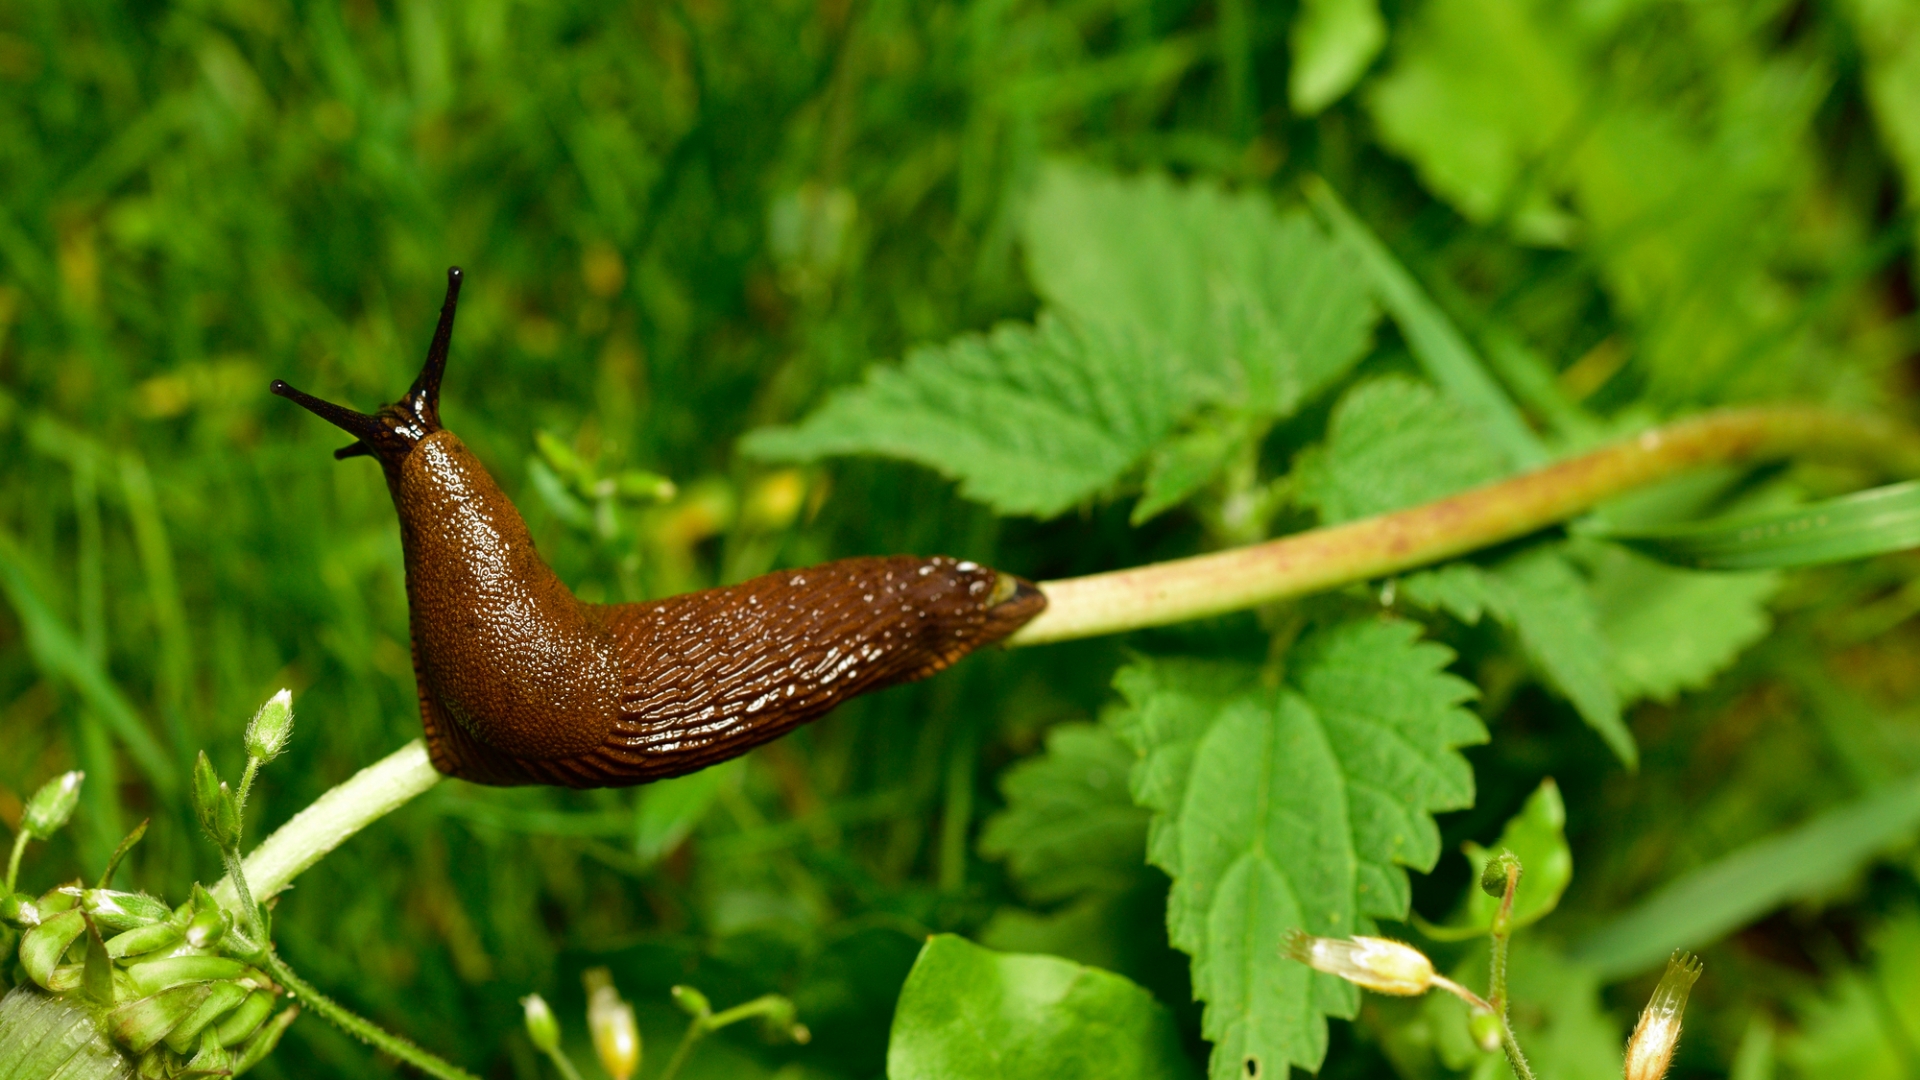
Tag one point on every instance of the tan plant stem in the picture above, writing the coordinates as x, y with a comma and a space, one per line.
1328, 558
1298, 565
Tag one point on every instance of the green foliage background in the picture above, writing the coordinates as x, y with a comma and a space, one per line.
686, 222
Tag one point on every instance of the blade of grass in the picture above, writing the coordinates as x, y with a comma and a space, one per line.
1872, 522
1701, 907
60, 654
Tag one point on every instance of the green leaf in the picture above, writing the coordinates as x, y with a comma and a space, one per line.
1537, 835
1874, 522
1292, 806
1069, 826
1262, 303
1333, 41
1868, 1022
968, 1013
1030, 420
1670, 630
1392, 442
1547, 604
667, 811
1700, 907
1182, 465
1477, 94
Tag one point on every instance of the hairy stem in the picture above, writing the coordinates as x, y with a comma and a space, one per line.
1323, 559
359, 1027
1240, 578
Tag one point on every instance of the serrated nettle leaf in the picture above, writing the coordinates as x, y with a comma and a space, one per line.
1670, 630
1069, 825
1185, 463
968, 1012
1030, 420
1292, 806
1171, 296
1548, 605
1537, 836
1261, 301
1392, 442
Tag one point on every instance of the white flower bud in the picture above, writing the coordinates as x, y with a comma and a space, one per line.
267, 734
52, 805
1378, 964
616, 1037
1650, 1050
542, 1028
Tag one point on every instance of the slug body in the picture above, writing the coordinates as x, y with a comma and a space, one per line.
521, 683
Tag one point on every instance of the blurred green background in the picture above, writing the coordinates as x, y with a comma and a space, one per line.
683, 221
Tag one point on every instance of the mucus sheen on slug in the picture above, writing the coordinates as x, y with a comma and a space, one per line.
521, 683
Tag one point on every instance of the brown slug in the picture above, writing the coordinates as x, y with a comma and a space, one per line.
522, 683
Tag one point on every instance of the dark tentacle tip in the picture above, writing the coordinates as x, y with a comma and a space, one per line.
391, 433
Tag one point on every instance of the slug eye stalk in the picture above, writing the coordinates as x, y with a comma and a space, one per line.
390, 433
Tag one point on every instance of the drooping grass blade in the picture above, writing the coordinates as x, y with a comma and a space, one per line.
1872, 522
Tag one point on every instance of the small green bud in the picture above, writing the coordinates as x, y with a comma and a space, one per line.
96, 979
42, 947
52, 805
213, 804
1484, 1026
117, 911
224, 998
542, 1028
139, 1024
19, 912
267, 734
1493, 878
143, 939
153, 976
262, 1042
639, 484
692, 1002
242, 1022
208, 926
212, 1060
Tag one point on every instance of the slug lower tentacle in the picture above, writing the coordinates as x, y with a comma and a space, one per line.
521, 683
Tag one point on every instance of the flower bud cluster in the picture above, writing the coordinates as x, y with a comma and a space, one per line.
164, 981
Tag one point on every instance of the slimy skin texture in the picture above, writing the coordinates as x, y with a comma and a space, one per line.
521, 683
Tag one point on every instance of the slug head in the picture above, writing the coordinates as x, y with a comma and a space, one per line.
391, 433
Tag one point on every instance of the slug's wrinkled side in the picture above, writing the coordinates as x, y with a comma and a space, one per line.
521, 683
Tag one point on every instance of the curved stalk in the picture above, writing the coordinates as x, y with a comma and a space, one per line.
364, 798
1323, 559
360, 1028
1240, 578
